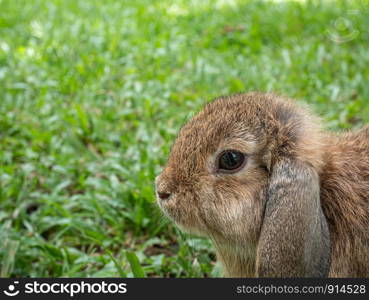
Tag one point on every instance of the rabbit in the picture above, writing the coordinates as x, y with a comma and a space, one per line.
277, 195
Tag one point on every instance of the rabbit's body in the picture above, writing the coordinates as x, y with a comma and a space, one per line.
277, 196
345, 201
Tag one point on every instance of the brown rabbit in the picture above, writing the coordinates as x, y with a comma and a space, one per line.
277, 196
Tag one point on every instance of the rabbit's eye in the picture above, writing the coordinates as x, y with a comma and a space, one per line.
231, 161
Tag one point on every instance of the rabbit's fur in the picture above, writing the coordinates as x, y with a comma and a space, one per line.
299, 207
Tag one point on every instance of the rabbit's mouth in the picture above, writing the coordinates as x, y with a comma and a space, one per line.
184, 219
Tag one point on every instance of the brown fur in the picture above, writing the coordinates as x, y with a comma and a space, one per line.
233, 209
345, 201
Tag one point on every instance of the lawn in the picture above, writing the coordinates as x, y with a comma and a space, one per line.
92, 94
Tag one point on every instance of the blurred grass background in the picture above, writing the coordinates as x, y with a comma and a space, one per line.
92, 94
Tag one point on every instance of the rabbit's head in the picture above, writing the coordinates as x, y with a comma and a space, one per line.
238, 171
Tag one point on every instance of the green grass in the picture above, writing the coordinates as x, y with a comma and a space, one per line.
92, 94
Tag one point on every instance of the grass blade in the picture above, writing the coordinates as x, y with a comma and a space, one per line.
137, 270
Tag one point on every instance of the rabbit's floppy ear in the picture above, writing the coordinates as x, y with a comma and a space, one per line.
294, 239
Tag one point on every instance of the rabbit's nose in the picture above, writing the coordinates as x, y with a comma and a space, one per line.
163, 189
164, 195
